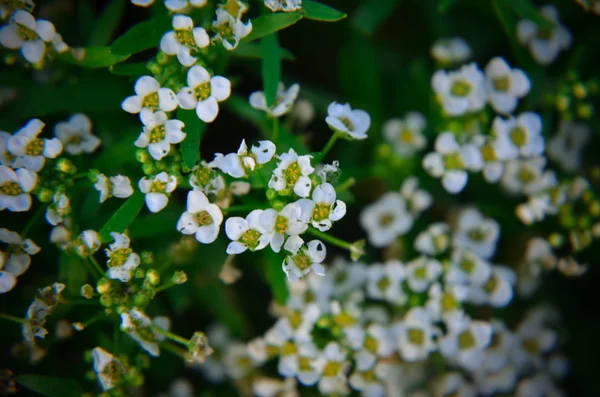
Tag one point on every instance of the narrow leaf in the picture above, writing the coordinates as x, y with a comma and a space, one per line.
321, 12
124, 216
271, 23
93, 57
107, 23
371, 14
142, 36
85, 18
271, 67
129, 69
71, 272
50, 386
276, 277
526, 10
254, 51
194, 129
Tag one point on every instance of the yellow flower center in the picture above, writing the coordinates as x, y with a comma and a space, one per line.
185, 37
531, 346
421, 273
304, 364
477, 234
347, 123
11, 188
518, 136
344, 319
491, 285
321, 212
371, 344
204, 175
467, 265
158, 187
545, 34
454, 161
407, 136
233, 7
202, 91
302, 261
250, 238
449, 302
292, 174
157, 134
332, 368
295, 319
416, 336
502, 83
203, 218
488, 153
27, 34
440, 241
384, 283
118, 257
35, 147
466, 340
386, 219
281, 224
460, 88
526, 175
151, 100
288, 349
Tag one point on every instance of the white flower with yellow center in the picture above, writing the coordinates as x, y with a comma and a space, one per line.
443, 303
283, 5
292, 172
149, 94
139, 326
230, 29
122, 261
76, 135
433, 241
384, 282
370, 381
14, 258
544, 43
158, 190
451, 50
185, 40
302, 259
498, 353
406, 135
539, 256
505, 86
528, 176
88, 243
15, 187
31, 150
289, 221
468, 268
283, 102
115, 186
303, 367
451, 161
238, 164
108, 368
238, 362
466, 341
159, 133
453, 384
415, 335
535, 338
460, 91
354, 124
58, 209
421, 272
247, 233
566, 145
495, 151
370, 344
184, 5
476, 233
344, 277
386, 219
325, 208
24, 33
204, 93
201, 218
332, 365
497, 290
417, 199
524, 133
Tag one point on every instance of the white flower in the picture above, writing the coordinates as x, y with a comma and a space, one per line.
15, 258
290, 220
230, 29
468, 268
268, 387
149, 94
247, 233
386, 219
447, 302
158, 190
505, 86
460, 91
142, 3
204, 93
433, 241
303, 113
139, 326
15, 187
524, 133
498, 353
238, 362
495, 151
324, 207
465, 341
183, 5
58, 209
59, 44
76, 135
292, 172
538, 385
417, 199
370, 343
534, 339
122, 261
61, 236
527, 176
302, 364
476, 233
421, 272
332, 365
370, 381
453, 383
107, 367
283, 102
185, 40
237, 164
32, 150
201, 218
354, 124
303, 259
283, 5
384, 282
415, 335
159, 133
451, 50
544, 43
451, 161
115, 186
566, 145
497, 291
538, 256
406, 135
88, 243
24, 33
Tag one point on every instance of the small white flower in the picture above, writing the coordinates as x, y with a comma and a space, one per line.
107, 367
544, 43
505, 86
524, 133
534, 339
453, 383
451, 162
117, 186
497, 291
32, 150
158, 190
76, 135
88, 243
433, 241
354, 124
230, 29
139, 326
447, 302
498, 353
370, 381
386, 219
122, 261
303, 259
495, 151
527, 176
183, 5
292, 172
406, 135
325, 208
238, 362
538, 256
159, 133
415, 335
24, 33
421, 272
238, 164
384, 282
417, 199
302, 365
465, 341
460, 91
201, 218
185, 40
283, 102
538, 385
15, 258
289, 221
476, 233
566, 145
332, 365
468, 268
451, 50
61, 236
345, 277
204, 93
59, 44
149, 94
15, 187
283, 5
58, 209
370, 343
247, 233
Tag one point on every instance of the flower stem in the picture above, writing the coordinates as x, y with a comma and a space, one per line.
327, 147
92, 320
173, 349
170, 335
347, 184
242, 208
330, 239
33, 220
14, 319
96, 266
165, 286
275, 132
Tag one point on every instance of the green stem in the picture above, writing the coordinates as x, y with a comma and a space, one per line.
173, 349
96, 266
275, 132
347, 184
14, 319
80, 175
92, 320
170, 335
328, 147
242, 208
165, 286
33, 220
330, 239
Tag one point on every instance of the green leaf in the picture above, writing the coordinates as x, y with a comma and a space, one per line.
142, 36
94, 57
71, 272
371, 14
526, 10
271, 67
271, 23
85, 18
194, 129
107, 23
254, 51
276, 277
321, 12
50, 386
129, 69
124, 216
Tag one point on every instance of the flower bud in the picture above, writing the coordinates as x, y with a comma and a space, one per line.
198, 348
153, 277
103, 286
66, 166
45, 195
179, 277
271, 194
87, 291
141, 301
147, 257
162, 58
106, 300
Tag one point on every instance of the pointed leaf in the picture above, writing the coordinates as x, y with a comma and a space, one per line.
194, 129
271, 67
142, 36
94, 57
271, 23
124, 216
50, 386
107, 23
321, 12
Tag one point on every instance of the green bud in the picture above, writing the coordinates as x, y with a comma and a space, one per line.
162, 58
161, 165
271, 194
66, 166
155, 69
199, 348
87, 291
384, 151
106, 300
179, 277
103, 286
141, 301
45, 195
139, 273
277, 205
142, 155
148, 168
147, 257
153, 277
